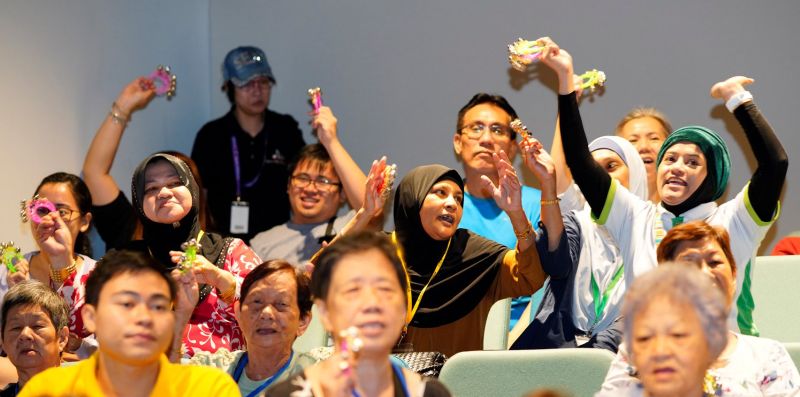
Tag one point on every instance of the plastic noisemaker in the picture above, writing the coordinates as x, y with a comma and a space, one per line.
10, 255
315, 97
164, 81
190, 249
522, 53
35, 209
590, 80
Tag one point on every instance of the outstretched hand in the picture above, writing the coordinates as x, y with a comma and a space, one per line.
726, 89
323, 123
136, 95
374, 199
556, 58
538, 161
507, 194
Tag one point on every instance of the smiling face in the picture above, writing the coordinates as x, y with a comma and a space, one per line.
269, 315
669, 349
365, 293
133, 320
318, 201
166, 199
681, 171
708, 255
613, 164
31, 340
61, 195
476, 153
441, 210
646, 134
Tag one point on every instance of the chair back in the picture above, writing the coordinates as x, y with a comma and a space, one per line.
495, 333
776, 291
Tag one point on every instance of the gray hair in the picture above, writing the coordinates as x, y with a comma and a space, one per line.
32, 292
681, 285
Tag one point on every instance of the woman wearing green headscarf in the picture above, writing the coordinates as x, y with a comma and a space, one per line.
693, 166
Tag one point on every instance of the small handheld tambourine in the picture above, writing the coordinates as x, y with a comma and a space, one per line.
35, 209
349, 345
590, 80
520, 128
10, 256
315, 97
190, 249
164, 81
522, 53
384, 187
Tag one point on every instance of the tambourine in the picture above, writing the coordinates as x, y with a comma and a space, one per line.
10, 256
164, 81
520, 128
384, 187
590, 80
315, 97
190, 249
35, 209
522, 53
349, 345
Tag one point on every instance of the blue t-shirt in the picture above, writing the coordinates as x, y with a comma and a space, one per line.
485, 218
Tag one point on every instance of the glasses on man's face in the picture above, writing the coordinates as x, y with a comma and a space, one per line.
301, 181
496, 131
256, 85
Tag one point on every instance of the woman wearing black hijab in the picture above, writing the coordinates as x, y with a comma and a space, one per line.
454, 274
166, 197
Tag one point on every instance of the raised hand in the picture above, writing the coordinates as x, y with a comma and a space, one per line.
374, 197
538, 162
726, 89
508, 192
22, 273
323, 123
54, 238
136, 95
188, 292
561, 62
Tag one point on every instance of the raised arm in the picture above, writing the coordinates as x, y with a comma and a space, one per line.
593, 180
542, 166
773, 162
353, 179
100, 156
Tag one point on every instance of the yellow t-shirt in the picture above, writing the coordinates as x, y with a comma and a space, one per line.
172, 380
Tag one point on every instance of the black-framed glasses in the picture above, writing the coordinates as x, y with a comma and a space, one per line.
496, 131
301, 181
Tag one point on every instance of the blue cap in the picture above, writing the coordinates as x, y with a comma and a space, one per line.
243, 64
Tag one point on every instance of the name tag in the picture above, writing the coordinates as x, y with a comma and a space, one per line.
240, 215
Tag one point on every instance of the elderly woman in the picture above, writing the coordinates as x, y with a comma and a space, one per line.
749, 366
274, 309
35, 332
359, 285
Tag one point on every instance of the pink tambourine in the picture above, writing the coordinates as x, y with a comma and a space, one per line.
164, 81
315, 97
39, 208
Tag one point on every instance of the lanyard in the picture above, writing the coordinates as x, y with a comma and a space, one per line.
398, 372
601, 302
243, 363
410, 314
237, 170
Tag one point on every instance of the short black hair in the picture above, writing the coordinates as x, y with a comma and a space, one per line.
230, 92
348, 244
82, 197
269, 267
314, 153
34, 293
117, 262
481, 98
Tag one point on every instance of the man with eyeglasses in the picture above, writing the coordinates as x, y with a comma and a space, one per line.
322, 176
243, 156
484, 127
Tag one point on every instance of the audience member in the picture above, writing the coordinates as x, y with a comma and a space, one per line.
129, 302
789, 245
646, 128
474, 146
274, 309
359, 286
35, 331
243, 155
748, 366
693, 168
62, 261
165, 196
322, 176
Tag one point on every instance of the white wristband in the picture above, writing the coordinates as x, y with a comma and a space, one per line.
738, 99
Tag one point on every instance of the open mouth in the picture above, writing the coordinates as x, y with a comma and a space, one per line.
447, 219
371, 328
675, 182
266, 331
27, 351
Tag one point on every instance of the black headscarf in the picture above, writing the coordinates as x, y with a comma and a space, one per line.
469, 269
161, 238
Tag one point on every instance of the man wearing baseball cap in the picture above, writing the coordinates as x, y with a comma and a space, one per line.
243, 156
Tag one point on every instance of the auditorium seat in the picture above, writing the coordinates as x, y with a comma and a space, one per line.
495, 333
776, 293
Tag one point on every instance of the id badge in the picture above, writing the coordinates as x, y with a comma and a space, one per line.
240, 214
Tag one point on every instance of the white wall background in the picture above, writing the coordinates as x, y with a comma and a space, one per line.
395, 73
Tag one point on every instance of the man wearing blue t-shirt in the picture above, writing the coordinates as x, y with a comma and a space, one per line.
484, 128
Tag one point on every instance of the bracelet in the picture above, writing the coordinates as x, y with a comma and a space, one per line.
118, 116
228, 295
59, 275
551, 202
738, 99
526, 234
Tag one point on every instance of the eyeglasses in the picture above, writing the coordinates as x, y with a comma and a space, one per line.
497, 131
256, 85
301, 181
66, 213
